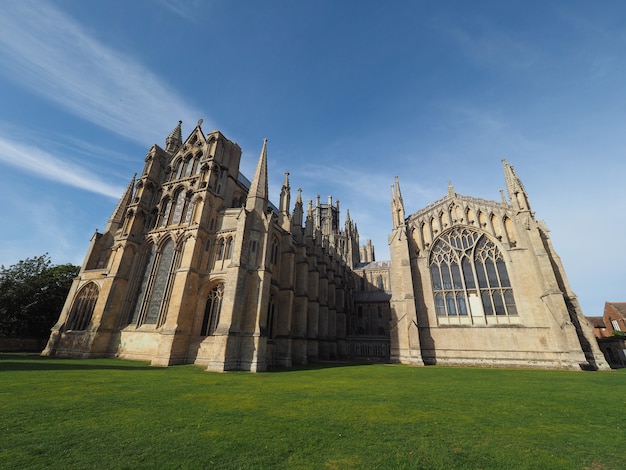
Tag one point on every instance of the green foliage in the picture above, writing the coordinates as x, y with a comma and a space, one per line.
32, 293
106, 413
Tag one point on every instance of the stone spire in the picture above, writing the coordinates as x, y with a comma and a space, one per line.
175, 139
451, 193
283, 206
118, 214
397, 205
285, 196
515, 188
257, 196
298, 210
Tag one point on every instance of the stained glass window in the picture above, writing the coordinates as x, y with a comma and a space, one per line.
146, 276
465, 261
161, 281
178, 208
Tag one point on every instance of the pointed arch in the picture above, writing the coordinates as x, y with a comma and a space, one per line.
157, 270
161, 283
510, 231
433, 226
196, 163
482, 220
221, 249
466, 263
274, 251
83, 307
166, 206
188, 165
425, 234
496, 223
229, 247
179, 204
145, 272
177, 168
469, 215
272, 315
212, 310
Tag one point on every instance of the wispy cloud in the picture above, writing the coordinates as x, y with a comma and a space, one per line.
49, 53
190, 10
47, 166
488, 46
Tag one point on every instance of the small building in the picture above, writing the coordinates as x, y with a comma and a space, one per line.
610, 331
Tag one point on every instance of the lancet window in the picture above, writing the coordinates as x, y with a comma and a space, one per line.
274, 252
82, 310
271, 317
166, 212
178, 208
469, 276
229, 247
157, 279
212, 311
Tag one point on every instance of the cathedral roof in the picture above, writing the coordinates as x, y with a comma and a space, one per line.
374, 265
444, 201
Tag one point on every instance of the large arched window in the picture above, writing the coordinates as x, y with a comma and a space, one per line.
212, 311
82, 310
162, 281
147, 274
469, 276
153, 293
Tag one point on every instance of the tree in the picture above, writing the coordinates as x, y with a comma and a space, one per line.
32, 293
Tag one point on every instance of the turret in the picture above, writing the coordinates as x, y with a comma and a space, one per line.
283, 206
397, 205
515, 188
175, 140
117, 218
298, 211
257, 196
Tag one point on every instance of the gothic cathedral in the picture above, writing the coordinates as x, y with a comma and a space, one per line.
196, 265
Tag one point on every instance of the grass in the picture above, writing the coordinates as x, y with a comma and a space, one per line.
106, 413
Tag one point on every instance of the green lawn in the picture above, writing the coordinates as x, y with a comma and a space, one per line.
106, 413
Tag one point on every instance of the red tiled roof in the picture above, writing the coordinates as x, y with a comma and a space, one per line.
596, 322
619, 306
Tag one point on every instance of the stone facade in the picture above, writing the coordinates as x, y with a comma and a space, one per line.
196, 265
477, 282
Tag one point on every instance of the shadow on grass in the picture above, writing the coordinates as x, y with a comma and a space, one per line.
35, 362
322, 365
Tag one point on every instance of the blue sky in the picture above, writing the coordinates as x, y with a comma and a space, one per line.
349, 94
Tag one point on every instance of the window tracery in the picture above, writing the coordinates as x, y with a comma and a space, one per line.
466, 265
82, 310
212, 311
156, 281
166, 212
175, 218
161, 283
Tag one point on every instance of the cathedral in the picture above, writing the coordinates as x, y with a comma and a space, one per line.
196, 265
